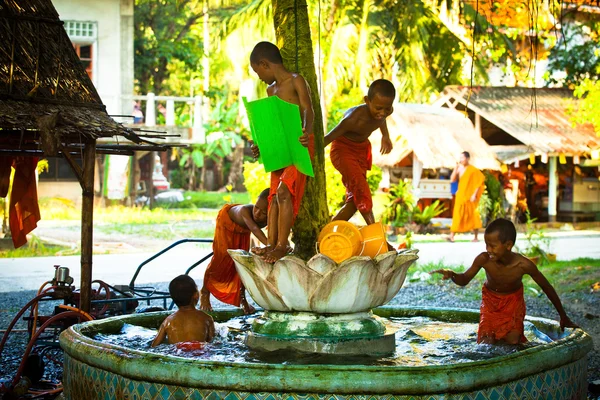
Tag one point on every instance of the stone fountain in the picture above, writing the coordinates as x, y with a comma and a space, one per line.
320, 306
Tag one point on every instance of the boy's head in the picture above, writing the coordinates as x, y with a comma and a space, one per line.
500, 236
264, 57
380, 98
465, 157
183, 291
259, 213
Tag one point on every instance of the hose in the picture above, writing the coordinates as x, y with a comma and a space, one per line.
65, 307
19, 314
51, 320
35, 308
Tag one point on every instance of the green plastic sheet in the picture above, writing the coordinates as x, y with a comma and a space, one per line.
276, 126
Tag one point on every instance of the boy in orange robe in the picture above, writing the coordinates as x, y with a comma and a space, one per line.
351, 149
471, 184
234, 224
287, 184
502, 303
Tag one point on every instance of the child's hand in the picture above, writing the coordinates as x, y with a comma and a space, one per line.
304, 139
255, 151
386, 145
565, 322
446, 273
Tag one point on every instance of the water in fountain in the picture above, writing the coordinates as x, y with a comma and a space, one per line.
420, 341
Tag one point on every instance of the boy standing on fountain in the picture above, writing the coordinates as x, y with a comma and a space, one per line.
287, 184
502, 303
235, 222
351, 149
187, 324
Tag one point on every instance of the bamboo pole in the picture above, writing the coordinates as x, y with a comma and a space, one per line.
87, 224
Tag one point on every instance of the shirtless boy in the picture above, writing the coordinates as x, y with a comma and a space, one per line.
351, 149
287, 184
235, 222
187, 324
502, 302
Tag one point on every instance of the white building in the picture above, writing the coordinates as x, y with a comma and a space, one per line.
102, 33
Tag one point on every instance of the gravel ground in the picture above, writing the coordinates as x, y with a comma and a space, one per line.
583, 309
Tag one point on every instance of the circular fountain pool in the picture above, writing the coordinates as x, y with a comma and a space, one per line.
553, 366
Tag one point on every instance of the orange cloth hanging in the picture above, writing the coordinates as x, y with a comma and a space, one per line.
353, 160
501, 313
221, 277
293, 179
465, 216
23, 211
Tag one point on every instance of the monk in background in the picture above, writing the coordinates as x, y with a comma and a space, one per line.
235, 222
471, 184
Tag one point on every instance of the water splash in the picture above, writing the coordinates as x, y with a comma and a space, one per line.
420, 341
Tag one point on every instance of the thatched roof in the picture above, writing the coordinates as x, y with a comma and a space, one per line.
436, 135
537, 118
47, 100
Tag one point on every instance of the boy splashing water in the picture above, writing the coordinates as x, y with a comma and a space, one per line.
287, 184
351, 149
187, 324
502, 303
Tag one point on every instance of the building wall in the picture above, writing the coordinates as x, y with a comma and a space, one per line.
112, 48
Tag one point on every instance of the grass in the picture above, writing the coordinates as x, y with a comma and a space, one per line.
575, 276
57, 209
34, 248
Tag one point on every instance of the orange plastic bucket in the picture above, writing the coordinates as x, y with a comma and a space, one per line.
374, 241
339, 240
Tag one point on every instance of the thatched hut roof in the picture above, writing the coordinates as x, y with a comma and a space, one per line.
47, 100
436, 135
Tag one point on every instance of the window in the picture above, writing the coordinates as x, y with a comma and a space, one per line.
83, 34
81, 31
85, 56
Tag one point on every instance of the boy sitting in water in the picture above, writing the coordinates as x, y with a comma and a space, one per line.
187, 324
287, 184
502, 304
235, 222
351, 149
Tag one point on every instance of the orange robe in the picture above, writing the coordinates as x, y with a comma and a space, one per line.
465, 216
23, 210
221, 277
293, 179
501, 313
353, 160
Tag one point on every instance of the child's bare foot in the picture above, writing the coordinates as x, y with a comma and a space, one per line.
205, 300
475, 240
248, 309
260, 251
275, 254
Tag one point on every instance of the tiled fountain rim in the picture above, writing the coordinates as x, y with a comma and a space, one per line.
173, 370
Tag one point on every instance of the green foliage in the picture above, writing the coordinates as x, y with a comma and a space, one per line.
425, 216
400, 205
490, 205
577, 55
255, 178
537, 242
214, 200
588, 107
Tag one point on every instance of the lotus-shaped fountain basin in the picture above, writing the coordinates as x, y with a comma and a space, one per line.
321, 285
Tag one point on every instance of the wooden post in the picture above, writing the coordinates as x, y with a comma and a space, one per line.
87, 224
552, 189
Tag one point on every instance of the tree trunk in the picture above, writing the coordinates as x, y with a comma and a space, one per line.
313, 213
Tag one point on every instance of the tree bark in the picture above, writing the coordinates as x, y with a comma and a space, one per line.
237, 167
287, 16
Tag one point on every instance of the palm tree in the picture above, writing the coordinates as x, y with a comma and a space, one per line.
292, 30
